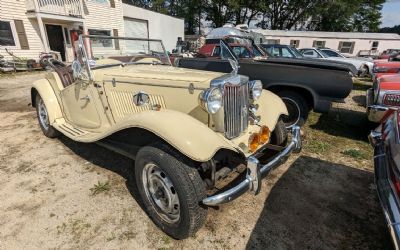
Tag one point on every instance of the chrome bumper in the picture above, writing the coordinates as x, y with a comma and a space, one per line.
375, 113
385, 189
255, 172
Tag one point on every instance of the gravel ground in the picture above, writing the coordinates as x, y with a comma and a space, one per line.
323, 198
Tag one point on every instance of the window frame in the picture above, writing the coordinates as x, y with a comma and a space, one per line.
110, 34
375, 47
315, 44
351, 48
14, 34
276, 41
295, 45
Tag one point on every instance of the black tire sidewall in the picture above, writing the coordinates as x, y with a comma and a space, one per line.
279, 136
182, 182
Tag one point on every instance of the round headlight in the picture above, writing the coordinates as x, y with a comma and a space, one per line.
255, 89
211, 100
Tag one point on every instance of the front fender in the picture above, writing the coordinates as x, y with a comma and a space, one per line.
44, 89
188, 135
271, 107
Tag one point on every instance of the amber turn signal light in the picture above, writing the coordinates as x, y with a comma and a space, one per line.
254, 142
265, 133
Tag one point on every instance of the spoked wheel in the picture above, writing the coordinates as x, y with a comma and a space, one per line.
171, 189
297, 109
161, 193
43, 118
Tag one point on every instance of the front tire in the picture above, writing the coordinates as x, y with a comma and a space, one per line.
297, 108
43, 118
171, 189
280, 135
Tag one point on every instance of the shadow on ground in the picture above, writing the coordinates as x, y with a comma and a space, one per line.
320, 205
346, 123
106, 159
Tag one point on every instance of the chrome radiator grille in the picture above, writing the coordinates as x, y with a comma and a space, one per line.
236, 105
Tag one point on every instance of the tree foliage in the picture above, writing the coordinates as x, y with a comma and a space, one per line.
320, 15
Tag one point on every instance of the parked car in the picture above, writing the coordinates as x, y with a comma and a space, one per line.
386, 143
382, 68
363, 65
387, 53
384, 95
297, 81
281, 50
186, 129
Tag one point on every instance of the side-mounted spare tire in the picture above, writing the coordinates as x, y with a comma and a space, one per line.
171, 189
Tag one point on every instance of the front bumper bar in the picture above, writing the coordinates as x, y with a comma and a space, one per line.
385, 189
375, 112
255, 172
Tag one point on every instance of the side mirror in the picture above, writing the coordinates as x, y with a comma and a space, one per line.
76, 69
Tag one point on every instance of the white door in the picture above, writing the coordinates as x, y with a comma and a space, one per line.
136, 28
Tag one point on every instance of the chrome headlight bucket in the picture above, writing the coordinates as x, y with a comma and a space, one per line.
256, 88
211, 100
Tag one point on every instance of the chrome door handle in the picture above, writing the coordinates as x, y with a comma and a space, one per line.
85, 98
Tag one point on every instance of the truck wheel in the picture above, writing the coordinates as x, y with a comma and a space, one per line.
279, 135
364, 72
171, 189
297, 108
43, 119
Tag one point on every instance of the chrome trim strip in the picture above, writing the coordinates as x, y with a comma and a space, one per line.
248, 184
189, 87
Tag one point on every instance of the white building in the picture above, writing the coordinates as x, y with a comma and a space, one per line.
346, 42
29, 27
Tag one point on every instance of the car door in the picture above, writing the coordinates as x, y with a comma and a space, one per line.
79, 104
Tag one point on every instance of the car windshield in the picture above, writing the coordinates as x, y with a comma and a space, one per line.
331, 53
296, 52
104, 51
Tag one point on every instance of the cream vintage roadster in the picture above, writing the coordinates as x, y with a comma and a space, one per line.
189, 131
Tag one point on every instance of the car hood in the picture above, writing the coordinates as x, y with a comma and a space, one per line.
179, 76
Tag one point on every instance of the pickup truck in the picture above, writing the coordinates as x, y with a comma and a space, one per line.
303, 84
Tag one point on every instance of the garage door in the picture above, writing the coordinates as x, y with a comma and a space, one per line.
136, 28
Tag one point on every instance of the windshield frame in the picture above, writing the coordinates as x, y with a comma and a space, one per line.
84, 41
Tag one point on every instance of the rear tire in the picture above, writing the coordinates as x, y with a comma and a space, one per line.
43, 118
280, 135
297, 107
171, 189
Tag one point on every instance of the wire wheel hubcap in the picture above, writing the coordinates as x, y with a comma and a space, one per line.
161, 193
42, 113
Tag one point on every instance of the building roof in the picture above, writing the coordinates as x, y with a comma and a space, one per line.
323, 34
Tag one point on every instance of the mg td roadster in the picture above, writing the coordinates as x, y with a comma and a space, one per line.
189, 131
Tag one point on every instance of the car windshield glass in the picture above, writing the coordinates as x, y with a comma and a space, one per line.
331, 53
104, 51
296, 52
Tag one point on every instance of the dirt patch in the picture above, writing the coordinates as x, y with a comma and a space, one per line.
322, 198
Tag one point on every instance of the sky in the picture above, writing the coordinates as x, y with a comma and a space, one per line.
391, 13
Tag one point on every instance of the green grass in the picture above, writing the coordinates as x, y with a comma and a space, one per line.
356, 154
100, 187
315, 146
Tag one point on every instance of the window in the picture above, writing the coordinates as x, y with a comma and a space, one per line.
330, 53
310, 53
217, 51
98, 42
375, 45
295, 43
272, 41
319, 44
241, 52
346, 47
6, 34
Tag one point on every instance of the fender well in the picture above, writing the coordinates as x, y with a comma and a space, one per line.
308, 94
183, 132
44, 89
